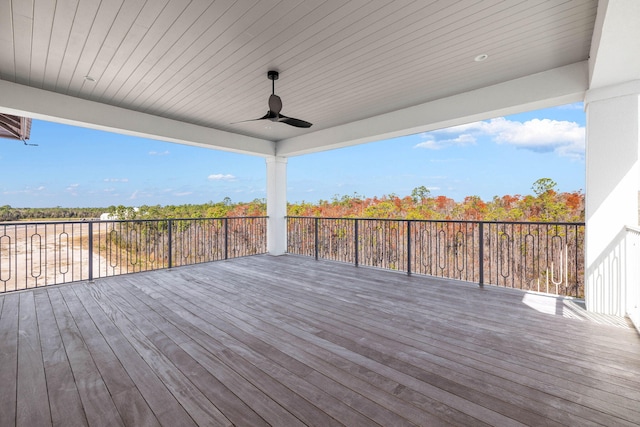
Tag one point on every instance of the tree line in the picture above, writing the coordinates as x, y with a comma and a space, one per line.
8, 213
546, 204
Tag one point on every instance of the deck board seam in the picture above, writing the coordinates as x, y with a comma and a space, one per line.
299, 319
263, 278
153, 391
207, 331
191, 280
461, 331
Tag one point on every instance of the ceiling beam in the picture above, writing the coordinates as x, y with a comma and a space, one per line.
559, 86
40, 104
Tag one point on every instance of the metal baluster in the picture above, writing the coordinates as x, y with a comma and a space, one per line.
409, 248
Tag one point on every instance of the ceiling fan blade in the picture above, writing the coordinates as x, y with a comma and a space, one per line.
275, 104
294, 122
269, 116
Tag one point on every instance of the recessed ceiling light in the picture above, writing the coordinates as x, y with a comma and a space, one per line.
89, 79
481, 57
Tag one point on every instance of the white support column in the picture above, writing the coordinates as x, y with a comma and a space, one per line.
612, 183
276, 205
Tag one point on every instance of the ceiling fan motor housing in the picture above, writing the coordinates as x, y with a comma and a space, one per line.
275, 106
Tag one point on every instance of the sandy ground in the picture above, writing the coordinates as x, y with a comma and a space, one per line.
43, 254
40, 254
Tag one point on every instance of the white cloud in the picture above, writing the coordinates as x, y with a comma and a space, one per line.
221, 177
142, 194
543, 135
27, 190
159, 153
116, 180
73, 189
184, 193
429, 143
432, 143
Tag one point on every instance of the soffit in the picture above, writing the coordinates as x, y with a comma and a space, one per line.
14, 127
205, 62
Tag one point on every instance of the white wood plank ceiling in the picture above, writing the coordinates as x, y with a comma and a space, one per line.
205, 62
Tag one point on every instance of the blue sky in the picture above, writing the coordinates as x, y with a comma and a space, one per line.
77, 167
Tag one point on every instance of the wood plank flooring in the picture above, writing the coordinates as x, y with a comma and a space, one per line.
290, 341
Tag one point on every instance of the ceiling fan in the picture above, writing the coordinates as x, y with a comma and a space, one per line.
275, 106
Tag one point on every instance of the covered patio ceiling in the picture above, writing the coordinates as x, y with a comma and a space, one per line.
359, 70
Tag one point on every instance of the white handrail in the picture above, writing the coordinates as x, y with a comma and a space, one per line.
632, 262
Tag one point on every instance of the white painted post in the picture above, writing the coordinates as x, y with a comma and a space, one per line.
612, 183
276, 205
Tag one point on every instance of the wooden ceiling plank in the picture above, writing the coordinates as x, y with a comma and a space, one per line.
518, 31
375, 27
128, 50
408, 70
375, 57
142, 57
189, 50
244, 71
444, 46
78, 62
7, 45
113, 40
22, 39
71, 27
405, 68
339, 48
293, 46
458, 78
365, 8
154, 57
363, 77
349, 42
243, 34
362, 103
42, 26
23, 8
243, 68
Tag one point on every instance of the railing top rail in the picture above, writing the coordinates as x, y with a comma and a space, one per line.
633, 229
181, 219
441, 220
85, 221
77, 221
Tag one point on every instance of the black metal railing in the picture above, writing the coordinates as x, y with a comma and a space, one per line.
540, 256
44, 253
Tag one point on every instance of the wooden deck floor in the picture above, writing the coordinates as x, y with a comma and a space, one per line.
289, 341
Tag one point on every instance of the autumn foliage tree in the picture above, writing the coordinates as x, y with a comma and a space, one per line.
546, 204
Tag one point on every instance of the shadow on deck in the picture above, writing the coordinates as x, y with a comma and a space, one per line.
289, 341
